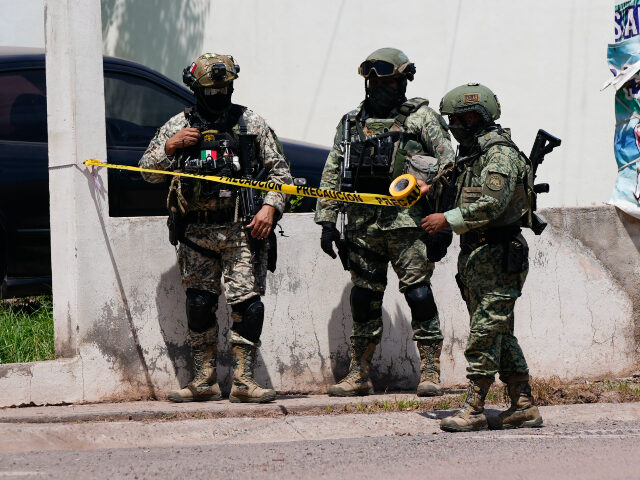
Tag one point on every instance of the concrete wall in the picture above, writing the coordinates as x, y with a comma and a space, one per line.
578, 315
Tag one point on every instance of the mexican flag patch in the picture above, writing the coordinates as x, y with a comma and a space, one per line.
208, 155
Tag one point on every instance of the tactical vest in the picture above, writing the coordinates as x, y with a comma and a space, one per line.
380, 148
221, 152
518, 211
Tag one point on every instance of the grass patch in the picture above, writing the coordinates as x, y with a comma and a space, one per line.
26, 330
555, 391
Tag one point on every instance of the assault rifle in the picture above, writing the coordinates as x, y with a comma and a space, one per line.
542, 145
250, 199
345, 184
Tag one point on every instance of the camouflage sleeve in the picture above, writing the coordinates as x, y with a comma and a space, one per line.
435, 135
154, 157
272, 155
498, 180
327, 210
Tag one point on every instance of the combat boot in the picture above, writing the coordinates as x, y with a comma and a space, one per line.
204, 386
523, 413
244, 388
471, 416
429, 385
357, 381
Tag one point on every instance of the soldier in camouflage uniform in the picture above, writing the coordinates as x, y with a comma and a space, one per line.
389, 136
205, 218
492, 204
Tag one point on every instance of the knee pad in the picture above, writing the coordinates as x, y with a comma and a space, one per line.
421, 302
251, 315
365, 304
201, 309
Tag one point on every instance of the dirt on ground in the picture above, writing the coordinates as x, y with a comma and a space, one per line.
553, 391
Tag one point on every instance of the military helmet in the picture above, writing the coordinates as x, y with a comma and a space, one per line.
387, 62
471, 97
211, 70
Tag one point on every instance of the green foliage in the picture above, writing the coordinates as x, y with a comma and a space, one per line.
295, 203
26, 330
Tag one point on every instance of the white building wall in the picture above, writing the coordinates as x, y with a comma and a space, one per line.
546, 60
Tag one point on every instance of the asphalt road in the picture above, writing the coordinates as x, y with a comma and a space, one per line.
392, 445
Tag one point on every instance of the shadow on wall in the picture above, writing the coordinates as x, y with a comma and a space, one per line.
339, 331
632, 226
174, 29
170, 298
396, 351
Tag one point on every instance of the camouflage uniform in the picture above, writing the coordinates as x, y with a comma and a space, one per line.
243, 277
378, 235
490, 292
388, 234
215, 243
493, 202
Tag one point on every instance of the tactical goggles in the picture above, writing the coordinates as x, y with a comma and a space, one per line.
382, 68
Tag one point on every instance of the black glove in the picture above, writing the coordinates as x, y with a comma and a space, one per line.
437, 244
330, 234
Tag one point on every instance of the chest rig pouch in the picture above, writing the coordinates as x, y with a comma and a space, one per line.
518, 210
220, 152
379, 149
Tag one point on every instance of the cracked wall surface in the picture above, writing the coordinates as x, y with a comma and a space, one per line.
578, 315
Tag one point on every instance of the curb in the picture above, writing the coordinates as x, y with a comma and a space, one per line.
165, 410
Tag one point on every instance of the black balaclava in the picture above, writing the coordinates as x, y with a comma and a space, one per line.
212, 106
382, 99
467, 135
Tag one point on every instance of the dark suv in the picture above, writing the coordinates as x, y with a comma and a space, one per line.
138, 100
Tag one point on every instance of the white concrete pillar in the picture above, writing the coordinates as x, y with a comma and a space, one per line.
76, 122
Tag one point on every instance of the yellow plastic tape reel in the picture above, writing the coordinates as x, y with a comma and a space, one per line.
404, 186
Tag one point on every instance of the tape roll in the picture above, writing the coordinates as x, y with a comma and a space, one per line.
405, 197
403, 186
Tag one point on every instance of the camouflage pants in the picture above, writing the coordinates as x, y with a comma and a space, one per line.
244, 273
369, 257
491, 294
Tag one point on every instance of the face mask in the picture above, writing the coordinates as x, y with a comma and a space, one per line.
215, 104
382, 99
465, 136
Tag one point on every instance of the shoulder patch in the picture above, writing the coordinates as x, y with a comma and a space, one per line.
495, 182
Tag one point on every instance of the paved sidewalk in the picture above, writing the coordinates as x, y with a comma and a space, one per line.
587, 420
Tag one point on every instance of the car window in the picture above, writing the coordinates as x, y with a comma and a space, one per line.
135, 108
23, 106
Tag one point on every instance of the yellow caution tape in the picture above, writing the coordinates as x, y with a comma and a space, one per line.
404, 190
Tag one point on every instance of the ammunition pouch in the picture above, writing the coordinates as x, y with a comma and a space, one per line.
516, 250
516, 255
371, 161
